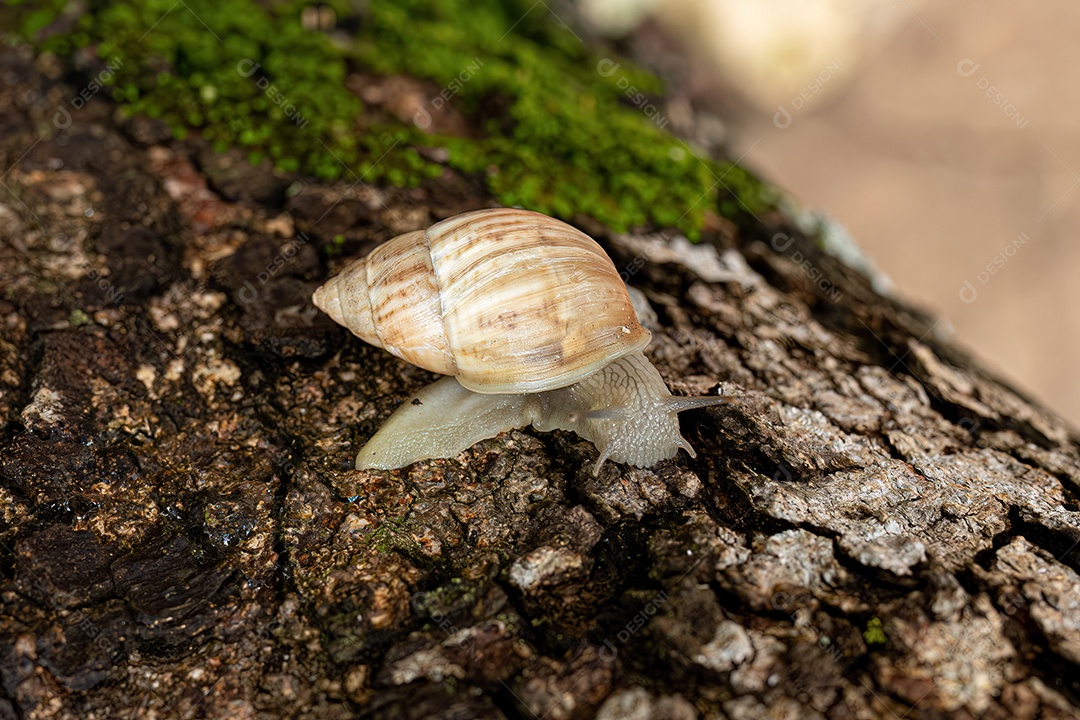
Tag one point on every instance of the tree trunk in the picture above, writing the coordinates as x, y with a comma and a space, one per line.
876, 528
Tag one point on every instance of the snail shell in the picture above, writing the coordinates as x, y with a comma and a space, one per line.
535, 326
505, 300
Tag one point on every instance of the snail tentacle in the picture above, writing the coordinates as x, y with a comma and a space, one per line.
625, 409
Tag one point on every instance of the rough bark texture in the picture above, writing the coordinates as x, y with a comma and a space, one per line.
878, 528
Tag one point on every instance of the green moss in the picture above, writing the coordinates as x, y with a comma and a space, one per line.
875, 633
335, 245
561, 131
78, 318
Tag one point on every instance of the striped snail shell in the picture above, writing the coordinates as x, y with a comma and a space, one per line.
504, 300
531, 320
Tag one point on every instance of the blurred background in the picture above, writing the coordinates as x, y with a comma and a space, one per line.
942, 135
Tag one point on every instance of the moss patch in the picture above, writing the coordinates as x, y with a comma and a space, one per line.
558, 129
875, 632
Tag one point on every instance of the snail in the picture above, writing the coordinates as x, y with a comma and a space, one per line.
533, 325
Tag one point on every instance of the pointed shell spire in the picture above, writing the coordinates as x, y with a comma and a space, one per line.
390, 299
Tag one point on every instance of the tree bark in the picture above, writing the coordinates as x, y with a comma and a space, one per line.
876, 528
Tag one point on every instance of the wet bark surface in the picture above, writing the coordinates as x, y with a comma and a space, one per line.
876, 528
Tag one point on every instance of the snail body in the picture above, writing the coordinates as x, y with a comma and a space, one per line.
531, 321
